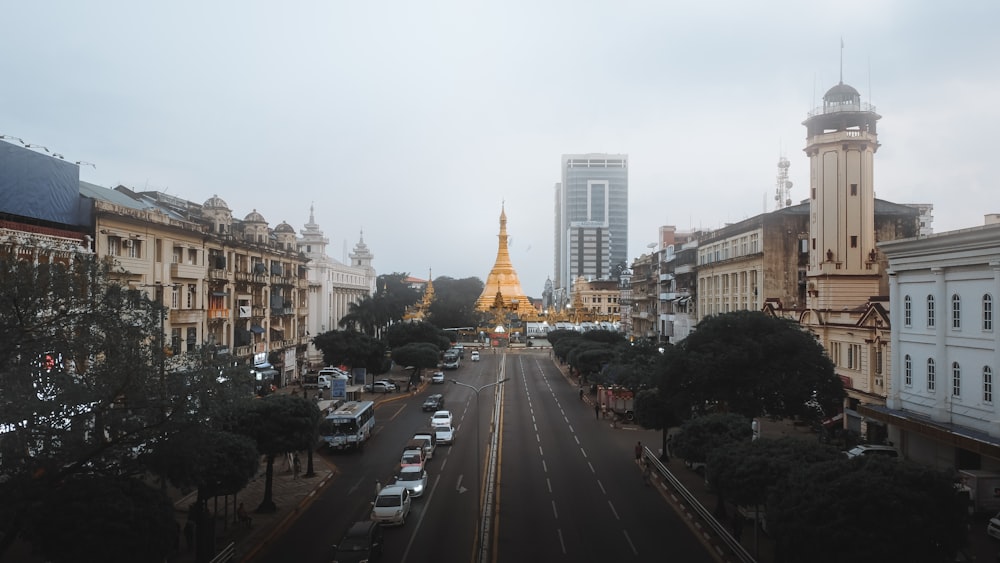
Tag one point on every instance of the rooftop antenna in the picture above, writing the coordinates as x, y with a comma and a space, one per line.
782, 185
841, 59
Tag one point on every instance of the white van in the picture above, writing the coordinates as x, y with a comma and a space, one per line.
328, 374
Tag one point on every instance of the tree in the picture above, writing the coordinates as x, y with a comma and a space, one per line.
655, 410
113, 519
455, 302
418, 355
698, 437
754, 364
279, 424
215, 462
352, 348
80, 388
375, 313
746, 471
867, 509
408, 333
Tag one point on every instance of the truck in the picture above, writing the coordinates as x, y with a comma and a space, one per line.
618, 400
983, 488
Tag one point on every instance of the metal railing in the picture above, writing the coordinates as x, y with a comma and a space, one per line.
720, 531
227, 553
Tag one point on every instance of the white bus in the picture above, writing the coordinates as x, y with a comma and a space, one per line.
350, 426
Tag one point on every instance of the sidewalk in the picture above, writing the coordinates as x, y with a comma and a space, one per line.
291, 494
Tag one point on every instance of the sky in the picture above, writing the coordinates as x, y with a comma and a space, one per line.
414, 122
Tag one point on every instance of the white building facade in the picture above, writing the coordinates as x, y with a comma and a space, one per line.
943, 406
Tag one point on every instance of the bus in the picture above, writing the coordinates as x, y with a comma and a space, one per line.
349, 426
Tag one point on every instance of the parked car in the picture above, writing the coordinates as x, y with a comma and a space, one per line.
441, 418
433, 402
445, 435
361, 542
872, 449
412, 458
437, 377
993, 527
475, 355
413, 478
381, 386
392, 505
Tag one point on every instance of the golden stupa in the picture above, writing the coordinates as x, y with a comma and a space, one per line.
419, 310
503, 289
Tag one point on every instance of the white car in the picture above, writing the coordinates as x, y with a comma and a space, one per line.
437, 377
441, 418
445, 435
873, 450
475, 355
381, 386
413, 478
392, 505
993, 527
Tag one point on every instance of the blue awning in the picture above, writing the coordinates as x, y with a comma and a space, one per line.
257, 329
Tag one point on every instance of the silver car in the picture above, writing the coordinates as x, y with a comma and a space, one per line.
413, 478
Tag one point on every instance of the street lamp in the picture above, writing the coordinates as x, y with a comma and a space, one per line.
479, 459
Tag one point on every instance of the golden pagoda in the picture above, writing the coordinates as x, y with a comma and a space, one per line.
503, 289
419, 310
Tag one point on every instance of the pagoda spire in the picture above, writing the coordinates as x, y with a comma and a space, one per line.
502, 280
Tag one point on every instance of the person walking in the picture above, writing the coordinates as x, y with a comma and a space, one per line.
597, 411
638, 451
297, 466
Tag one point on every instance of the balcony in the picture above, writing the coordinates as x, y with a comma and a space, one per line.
186, 271
666, 277
685, 269
668, 296
216, 314
250, 278
186, 316
302, 311
216, 274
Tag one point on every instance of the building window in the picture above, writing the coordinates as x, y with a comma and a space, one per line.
878, 360
907, 311
814, 193
930, 311
908, 370
956, 380
854, 189
987, 384
987, 312
853, 356
835, 353
956, 312
930, 375
854, 241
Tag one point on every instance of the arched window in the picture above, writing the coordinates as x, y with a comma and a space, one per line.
930, 374
907, 311
956, 312
908, 370
987, 312
930, 311
956, 380
987, 384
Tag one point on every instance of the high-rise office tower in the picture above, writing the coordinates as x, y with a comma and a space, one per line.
591, 217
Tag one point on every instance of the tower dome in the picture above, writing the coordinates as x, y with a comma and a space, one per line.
284, 227
842, 94
216, 202
254, 217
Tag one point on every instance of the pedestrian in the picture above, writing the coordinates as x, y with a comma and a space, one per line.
378, 487
189, 534
638, 451
297, 465
597, 411
666, 451
646, 477
244, 516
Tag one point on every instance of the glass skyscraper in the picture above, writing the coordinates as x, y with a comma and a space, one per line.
591, 217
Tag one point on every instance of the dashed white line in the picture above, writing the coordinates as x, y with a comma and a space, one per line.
562, 543
630, 544
601, 485
545, 468
548, 483
591, 466
613, 511
555, 512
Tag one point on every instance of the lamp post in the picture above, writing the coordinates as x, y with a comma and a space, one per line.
479, 459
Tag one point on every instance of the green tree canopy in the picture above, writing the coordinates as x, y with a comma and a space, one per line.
867, 509
754, 364
698, 437
746, 471
352, 348
418, 355
401, 334
113, 519
454, 302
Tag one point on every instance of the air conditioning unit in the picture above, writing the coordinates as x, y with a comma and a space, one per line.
127, 243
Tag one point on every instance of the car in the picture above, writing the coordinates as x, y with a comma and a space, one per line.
361, 542
381, 386
445, 435
872, 450
475, 355
993, 527
391, 505
437, 377
433, 402
441, 418
412, 458
413, 478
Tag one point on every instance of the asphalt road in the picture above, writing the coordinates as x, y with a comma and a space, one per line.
568, 487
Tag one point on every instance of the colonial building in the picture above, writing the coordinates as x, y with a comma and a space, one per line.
234, 286
942, 407
643, 304
598, 298
333, 285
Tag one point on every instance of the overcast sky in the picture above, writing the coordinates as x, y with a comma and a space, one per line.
415, 121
